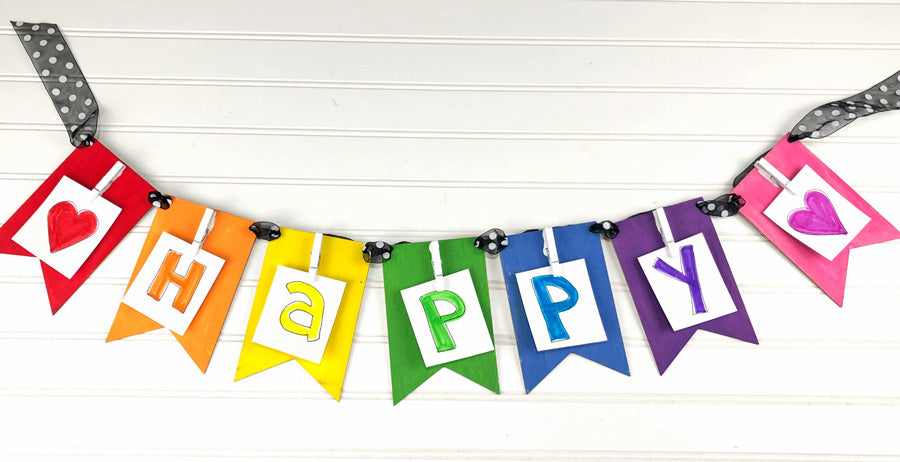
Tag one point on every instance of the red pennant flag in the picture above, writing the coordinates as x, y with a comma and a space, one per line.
88, 166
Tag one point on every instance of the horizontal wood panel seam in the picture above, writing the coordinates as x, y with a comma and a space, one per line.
464, 183
460, 183
524, 135
454, 453
673, 399
444, 86
474, 40
501, 340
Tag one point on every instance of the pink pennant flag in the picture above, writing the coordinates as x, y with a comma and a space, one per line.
816, 217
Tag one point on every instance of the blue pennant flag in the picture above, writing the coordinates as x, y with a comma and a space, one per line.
561, 301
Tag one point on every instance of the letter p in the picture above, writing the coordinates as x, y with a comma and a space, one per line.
551, 309
438, 324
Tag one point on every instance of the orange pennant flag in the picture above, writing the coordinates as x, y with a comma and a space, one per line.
229, 240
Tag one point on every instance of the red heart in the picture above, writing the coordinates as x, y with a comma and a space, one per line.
67, 227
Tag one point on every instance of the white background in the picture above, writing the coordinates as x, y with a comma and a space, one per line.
425, 120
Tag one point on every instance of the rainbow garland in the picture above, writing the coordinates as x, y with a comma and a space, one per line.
438, 312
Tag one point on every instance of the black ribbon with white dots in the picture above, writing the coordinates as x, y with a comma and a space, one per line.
266, 230
66, 85
492, 241
605, 228
726, 205
158, 199
377, 251
831, 117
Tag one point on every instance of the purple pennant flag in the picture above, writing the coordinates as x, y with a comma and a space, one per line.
638, 236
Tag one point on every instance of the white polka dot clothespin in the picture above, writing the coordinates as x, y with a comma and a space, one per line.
62, 78
435, 249
769, 172
315, 256
662, 224
550, 251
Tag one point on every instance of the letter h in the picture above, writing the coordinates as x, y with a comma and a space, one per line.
186, 284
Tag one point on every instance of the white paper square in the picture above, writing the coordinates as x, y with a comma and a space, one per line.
469, 333
163, 310
674, 296
35, 237
786, 203
295, 290
582, 322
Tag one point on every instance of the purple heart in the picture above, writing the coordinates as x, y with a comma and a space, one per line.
819, 218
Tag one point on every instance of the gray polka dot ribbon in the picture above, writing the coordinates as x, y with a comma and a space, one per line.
66, 85
829, 118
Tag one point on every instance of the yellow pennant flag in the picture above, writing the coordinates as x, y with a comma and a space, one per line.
306, 307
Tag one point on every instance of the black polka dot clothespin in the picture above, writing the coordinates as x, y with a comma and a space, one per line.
726, 205
492, 241
62, 78
158, 199
605, 228
829, 118
266, 230
377, 252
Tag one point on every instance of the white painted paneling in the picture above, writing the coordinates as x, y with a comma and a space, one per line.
454, 117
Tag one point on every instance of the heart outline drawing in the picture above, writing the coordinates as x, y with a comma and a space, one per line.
66, 226
819, 218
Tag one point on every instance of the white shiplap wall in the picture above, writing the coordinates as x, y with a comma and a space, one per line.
308, 113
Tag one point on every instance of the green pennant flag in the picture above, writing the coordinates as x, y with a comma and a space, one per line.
410, 271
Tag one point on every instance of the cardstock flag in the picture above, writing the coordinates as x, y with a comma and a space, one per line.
306, 307
577, 317
810, 214
75, 218
438, 314
185, 277
679, 279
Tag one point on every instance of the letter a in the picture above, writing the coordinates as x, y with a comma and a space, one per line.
442, 339
551, 309
689, 276
186, 284
315, 308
